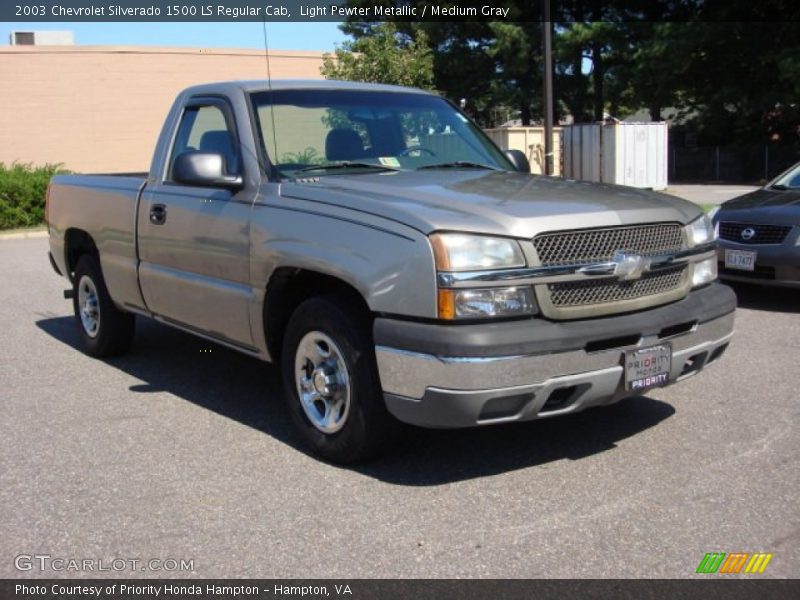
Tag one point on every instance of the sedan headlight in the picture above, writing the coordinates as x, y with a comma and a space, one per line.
463, 252
700, 231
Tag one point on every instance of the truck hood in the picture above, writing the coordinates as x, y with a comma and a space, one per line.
493, 202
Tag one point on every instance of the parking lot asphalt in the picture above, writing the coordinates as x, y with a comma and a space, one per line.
708, 193
182, 450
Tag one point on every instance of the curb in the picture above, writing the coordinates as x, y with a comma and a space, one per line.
24, 235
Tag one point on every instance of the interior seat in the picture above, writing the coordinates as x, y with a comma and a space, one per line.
344, 144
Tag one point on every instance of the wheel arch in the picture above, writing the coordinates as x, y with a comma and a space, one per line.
77, 242
288, 287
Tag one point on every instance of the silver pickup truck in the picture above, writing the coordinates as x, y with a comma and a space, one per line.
397, 264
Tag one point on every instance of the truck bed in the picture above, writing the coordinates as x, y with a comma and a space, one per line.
137, 175
103, 206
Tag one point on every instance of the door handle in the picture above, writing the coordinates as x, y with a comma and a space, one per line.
158, 214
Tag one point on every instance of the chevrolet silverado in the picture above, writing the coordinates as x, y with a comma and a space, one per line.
397, 265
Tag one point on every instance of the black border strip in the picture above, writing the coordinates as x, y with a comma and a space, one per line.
715, 586
778, 11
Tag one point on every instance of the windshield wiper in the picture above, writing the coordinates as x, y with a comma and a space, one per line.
779, 186
346, 165
459, 164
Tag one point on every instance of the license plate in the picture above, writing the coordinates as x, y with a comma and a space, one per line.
740, 259
647, 368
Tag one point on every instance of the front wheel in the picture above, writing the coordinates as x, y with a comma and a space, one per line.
104, 329
331, 382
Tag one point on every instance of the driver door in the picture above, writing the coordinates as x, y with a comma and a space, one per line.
194, 241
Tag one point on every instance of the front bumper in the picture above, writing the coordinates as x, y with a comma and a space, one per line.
776, 265
448, 376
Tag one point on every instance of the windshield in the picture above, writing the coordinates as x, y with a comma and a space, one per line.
329, 132
788, 180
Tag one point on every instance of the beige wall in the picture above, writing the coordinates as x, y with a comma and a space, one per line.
100, 108
530, 140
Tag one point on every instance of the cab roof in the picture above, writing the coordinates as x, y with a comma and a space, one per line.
262, 85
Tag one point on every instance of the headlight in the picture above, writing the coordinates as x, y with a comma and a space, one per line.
700, 231
486, 303
704, 271
462, 252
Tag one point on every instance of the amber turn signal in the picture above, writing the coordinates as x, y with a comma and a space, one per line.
447, 304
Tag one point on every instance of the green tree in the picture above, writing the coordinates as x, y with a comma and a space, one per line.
385, 56
462, 65
649, 69
741, 81
516, 48
730, 65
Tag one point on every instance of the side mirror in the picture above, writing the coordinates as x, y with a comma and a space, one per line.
519, 160
204, 169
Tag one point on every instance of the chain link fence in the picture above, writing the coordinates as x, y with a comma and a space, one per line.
728, 164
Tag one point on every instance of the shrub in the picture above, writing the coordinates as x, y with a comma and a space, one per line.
309, 156
22, 191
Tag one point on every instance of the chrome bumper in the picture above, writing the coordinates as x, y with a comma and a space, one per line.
447, 392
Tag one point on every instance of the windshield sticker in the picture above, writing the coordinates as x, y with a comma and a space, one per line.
389, 161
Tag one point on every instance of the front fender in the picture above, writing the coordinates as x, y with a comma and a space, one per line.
391, 267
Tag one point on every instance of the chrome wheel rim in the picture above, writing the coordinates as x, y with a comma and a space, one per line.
88, 306
322, 382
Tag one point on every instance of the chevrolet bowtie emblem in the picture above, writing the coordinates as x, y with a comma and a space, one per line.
629, 266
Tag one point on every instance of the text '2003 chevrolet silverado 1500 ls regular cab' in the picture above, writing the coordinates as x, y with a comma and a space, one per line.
395, 262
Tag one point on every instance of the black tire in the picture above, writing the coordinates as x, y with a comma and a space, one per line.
367, 428
112, 334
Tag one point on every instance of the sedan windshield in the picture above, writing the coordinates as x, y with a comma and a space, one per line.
331, 132
790, 180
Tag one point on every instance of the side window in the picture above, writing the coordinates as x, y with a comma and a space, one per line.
204, 129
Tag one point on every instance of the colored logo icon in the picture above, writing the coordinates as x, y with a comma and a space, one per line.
735, 562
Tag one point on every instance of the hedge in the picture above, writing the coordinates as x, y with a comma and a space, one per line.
22, 191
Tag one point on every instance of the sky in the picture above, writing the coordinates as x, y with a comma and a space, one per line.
323, 36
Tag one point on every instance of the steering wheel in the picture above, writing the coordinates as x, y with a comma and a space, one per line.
417, 148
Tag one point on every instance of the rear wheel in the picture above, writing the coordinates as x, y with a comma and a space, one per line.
104, 329
331, 381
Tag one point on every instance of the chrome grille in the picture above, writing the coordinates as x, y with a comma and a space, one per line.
609, 295
598, 245
585, 293
762, 234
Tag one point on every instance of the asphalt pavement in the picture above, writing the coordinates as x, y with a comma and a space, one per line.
182, 451
708, 193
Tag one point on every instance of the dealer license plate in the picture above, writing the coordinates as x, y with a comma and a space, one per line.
647, 368
740, 259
